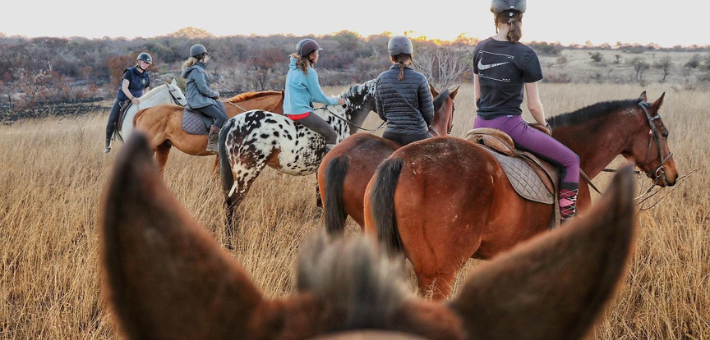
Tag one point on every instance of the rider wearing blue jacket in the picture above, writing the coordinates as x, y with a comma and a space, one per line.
303, 89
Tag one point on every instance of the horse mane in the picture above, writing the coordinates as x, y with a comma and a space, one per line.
365, 290
439, 100
358, 89
251, 95
591, 112
152, 92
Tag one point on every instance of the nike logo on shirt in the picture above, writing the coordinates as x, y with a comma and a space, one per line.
485, 67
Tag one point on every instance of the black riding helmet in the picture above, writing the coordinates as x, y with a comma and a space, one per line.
306, 46
145, 57
499, 6
197, 50
400, 44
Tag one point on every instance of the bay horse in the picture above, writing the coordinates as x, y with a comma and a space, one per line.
345, 171
445, 200
251, 141
168, 93
163, 123
165, 277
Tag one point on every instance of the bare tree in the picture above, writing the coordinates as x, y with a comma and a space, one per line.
665, 65
640, 66
442, 67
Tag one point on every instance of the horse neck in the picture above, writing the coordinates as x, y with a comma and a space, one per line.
597, 141
160, 94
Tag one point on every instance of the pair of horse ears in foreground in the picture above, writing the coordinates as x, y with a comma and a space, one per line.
166, 277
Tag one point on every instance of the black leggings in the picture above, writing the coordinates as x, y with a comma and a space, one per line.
319, 125
404, 139
113, 118
215, 113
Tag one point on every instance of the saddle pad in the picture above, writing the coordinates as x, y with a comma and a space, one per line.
524, 179
192, 123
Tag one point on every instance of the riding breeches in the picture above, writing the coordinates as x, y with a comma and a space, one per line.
113, 118
404, 139
539, 143
215, 113
317, 124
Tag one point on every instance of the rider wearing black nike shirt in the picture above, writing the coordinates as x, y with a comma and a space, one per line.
503, 68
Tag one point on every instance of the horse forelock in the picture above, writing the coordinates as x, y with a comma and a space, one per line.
364, 290
440, 100
591, 112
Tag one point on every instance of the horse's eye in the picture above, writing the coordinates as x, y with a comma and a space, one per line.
665, 135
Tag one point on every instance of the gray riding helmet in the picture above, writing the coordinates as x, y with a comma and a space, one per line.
197, 50
498, 6
306, 46
145, 57
400, 45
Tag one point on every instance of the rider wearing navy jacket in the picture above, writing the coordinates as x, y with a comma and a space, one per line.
135, 82
403, 96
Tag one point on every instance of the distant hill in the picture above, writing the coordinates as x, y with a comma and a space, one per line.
191, 33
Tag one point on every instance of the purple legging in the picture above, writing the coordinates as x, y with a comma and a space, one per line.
539, 143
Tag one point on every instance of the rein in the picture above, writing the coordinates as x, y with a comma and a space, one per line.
327, 108
237, 106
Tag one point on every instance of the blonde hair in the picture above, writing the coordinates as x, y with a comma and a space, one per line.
403, 60
302, 63
189, 62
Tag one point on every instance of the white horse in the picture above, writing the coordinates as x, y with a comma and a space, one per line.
252, 140
168, 93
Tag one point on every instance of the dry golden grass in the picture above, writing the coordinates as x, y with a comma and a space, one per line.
53, 175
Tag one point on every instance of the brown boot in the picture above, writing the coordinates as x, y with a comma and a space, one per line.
213, 139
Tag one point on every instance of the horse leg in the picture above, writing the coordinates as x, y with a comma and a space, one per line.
436, 286
162, 152
215, 168
243, 180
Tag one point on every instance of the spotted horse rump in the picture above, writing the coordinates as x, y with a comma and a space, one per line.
251, 141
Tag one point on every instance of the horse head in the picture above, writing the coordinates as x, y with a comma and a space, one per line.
176, 93
166, 277
652, 154
444, 108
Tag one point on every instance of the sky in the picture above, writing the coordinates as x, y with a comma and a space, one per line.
663, 22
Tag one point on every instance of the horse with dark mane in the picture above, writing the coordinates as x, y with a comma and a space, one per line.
165, 277
164, 124
345, 171
445, 200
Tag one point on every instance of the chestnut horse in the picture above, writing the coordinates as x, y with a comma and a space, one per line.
445, 200
251, 141
345, 171
165, 277
163, 123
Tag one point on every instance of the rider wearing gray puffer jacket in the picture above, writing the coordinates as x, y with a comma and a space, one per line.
403, 96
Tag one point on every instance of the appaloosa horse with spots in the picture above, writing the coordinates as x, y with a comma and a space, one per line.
165, 277
251, 141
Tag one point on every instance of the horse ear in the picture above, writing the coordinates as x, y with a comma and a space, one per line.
453, 93
165, 275
434, 92
657, 104
554, 286
643, 97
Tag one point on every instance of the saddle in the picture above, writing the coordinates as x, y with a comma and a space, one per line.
124, 105
532, 178
196, 123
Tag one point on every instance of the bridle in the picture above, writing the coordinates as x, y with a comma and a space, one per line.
327, 108
660, 170
172, 96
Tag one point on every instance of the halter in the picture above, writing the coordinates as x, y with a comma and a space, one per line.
172, 96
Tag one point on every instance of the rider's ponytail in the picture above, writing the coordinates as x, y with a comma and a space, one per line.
403, 60
189, 62
514, 20
302, 63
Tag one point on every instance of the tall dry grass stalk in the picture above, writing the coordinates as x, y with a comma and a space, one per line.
53, 173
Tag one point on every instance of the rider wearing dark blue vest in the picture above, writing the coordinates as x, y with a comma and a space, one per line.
135, 82
403, 96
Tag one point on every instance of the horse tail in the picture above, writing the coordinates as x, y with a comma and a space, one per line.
382, 201
335, 214
225, 169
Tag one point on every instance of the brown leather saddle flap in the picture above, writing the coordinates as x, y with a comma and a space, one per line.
500, 142
122, 113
